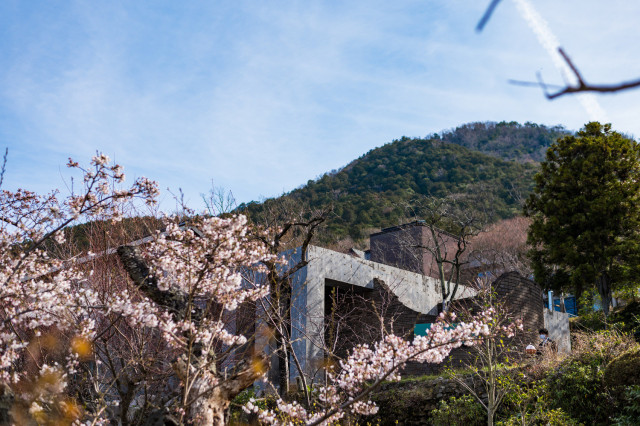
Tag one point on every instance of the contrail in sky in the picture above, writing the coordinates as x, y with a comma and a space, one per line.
550, 43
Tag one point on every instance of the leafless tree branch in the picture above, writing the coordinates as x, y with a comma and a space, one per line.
487, 15
581, 86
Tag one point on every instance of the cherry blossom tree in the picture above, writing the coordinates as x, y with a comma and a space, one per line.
186, 280
45, 299
73, 349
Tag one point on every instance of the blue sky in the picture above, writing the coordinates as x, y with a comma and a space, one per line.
261, 96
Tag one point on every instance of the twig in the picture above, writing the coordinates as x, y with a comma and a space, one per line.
4, 166
581, 86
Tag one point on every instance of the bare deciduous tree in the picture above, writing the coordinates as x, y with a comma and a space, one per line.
447, 248
501, 247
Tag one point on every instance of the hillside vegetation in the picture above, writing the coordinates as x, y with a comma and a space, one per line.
492, 163
510, 141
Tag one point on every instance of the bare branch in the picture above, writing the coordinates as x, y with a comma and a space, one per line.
487, 15
580, 87
4, 166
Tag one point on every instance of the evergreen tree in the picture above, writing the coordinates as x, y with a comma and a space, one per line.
586, 210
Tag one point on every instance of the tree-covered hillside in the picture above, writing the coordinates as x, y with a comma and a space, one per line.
510, 141
370, 191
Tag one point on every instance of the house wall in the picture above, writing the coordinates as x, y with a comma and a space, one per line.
399, 247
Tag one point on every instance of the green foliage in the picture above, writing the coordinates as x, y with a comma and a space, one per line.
589, 321
623, 370
506, 140
554, 417
523, 398
236, 415
576, 388
625, 319
586, 209
631, 411
370, 191
463, 411
526, 403
578, 385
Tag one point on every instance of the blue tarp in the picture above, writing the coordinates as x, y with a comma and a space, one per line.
423, 329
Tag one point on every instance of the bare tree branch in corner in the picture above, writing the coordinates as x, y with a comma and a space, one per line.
580, 87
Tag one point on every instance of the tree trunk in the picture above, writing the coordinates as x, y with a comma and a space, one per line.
283, 364
281, 294
210, 405
578, 294
604, 289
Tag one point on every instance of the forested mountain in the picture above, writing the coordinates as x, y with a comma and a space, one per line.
492, 162
509, 141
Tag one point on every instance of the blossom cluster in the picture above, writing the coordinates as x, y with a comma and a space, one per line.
367, 366
209, 260
51, 307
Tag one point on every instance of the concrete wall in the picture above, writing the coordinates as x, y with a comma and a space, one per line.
558, 325
418, 292
415, 297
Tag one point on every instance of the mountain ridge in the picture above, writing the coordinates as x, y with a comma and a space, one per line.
492, 162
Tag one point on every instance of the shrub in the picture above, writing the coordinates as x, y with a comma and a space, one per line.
600, 347
555, 417
463, 411
576, 388
588, 322
631, 411
625, 319
623, 371
576, 385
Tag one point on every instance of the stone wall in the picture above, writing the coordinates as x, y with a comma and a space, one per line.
410, 402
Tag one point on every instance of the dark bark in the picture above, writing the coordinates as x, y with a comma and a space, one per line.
6, 404
603, 284
139, 273
283, 337
579, 289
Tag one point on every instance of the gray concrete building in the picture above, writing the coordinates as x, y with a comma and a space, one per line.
412, 295
342, 299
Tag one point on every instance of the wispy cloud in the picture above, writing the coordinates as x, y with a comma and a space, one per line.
258, 97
